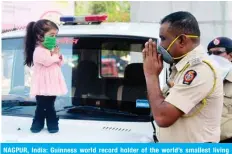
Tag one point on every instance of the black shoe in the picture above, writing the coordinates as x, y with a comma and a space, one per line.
52, 124
38, 121
37, 125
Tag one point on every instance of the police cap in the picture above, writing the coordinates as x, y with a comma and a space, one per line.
221, 42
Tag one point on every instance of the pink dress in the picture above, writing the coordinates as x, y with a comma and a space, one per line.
47, 77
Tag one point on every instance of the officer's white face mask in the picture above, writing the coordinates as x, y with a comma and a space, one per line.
223, 64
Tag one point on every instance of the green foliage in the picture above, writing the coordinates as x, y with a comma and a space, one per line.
81, 7
117, 11
97, 7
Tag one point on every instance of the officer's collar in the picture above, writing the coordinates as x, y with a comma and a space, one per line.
193, 57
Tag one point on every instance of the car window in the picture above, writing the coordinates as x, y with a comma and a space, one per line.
100, 71
116, 55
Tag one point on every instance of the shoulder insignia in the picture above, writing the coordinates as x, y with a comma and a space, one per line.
189, 77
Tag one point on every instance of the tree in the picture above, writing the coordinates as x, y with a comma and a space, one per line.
116, 11
97, 8
81, 7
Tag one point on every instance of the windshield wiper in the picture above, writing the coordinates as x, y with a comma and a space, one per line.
10, 103
85, 108
14, 103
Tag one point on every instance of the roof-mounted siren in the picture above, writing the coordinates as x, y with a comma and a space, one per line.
90, 19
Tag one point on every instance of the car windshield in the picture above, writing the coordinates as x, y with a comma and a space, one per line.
104, 75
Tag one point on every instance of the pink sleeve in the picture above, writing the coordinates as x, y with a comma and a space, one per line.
43, 57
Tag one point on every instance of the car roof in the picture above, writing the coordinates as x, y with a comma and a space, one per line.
121, 29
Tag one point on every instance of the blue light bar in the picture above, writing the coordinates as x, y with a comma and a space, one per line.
67, 19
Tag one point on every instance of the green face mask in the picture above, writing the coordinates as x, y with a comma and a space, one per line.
49, 42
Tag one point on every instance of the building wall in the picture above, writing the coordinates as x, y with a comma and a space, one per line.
18, 14
215, 18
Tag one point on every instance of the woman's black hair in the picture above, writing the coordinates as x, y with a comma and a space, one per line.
35, 33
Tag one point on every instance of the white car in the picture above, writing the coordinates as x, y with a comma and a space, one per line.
98, 107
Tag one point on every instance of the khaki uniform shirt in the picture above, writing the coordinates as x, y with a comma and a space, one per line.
189, 89
226, 123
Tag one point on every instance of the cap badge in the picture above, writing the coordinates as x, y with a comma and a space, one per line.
216, 41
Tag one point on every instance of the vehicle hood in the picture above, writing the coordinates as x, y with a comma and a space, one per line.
17, 129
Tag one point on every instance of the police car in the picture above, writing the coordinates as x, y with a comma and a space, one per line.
98, 107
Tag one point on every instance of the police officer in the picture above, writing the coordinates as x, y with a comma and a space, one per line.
191, 111
221, 50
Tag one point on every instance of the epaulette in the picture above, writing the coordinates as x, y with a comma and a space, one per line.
195, 61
